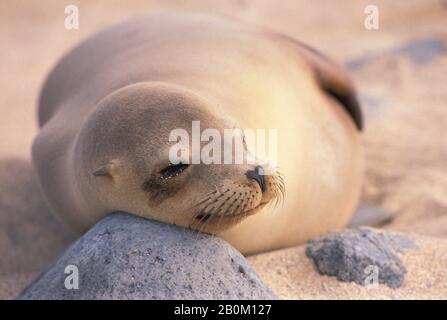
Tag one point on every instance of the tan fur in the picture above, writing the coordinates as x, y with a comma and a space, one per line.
109, 105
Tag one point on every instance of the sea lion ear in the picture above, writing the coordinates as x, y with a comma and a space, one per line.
106, 170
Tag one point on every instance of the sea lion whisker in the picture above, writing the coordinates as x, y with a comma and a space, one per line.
221, 216
199, 223
276, 197
218, 209
201, 201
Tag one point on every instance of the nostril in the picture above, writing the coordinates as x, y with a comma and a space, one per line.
258, 175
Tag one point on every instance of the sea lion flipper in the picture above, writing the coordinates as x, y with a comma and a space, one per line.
336, 83
333, 79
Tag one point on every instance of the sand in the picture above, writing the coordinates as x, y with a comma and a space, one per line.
292, 275
406, 145
405, 101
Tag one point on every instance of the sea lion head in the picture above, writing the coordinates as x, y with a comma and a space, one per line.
123, 151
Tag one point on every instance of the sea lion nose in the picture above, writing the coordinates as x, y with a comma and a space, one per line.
258, 175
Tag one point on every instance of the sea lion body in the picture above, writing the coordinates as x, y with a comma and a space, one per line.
245, 74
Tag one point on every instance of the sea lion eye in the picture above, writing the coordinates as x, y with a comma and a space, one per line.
173, 170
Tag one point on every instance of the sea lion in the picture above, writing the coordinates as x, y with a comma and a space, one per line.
107, 109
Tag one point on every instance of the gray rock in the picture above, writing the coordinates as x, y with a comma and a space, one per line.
348, 253
127, 257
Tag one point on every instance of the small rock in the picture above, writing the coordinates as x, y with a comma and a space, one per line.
348, 255
127, 257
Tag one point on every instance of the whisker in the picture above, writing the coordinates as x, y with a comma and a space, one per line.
199, 223
219, 223
276, 197
203, 200
220, 207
